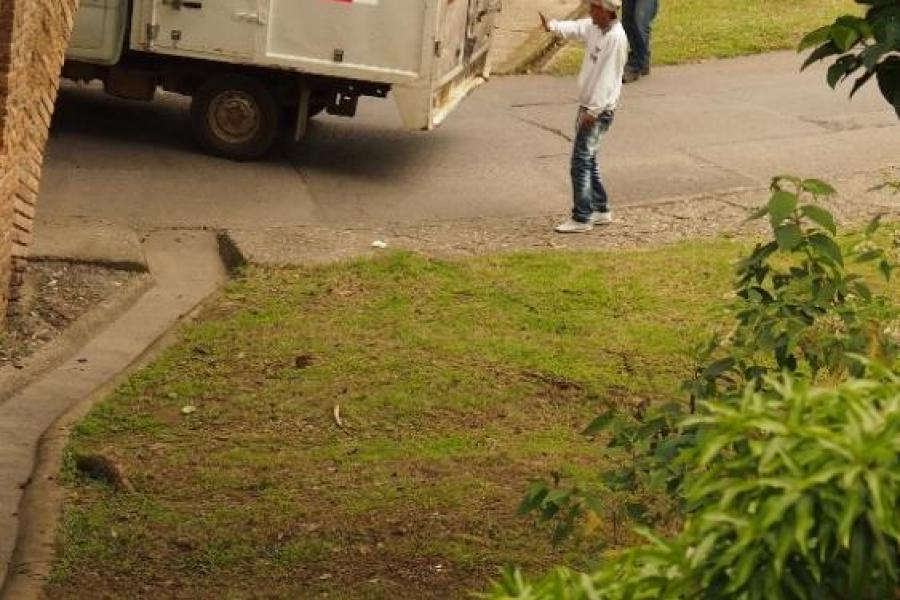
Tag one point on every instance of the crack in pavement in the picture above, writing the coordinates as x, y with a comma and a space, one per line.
711, 163
833, 125
547, 103
546, 128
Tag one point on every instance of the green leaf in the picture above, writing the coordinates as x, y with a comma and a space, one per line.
778, 181
534, 497
814, 38
827, 246
869, 256
805, 523
862, 290
844, 37
820, 216
823, 51
817, 187
859, 567
788, 236
873, 225
841, 69
852, 509
714, 370
871, 55
887, 31
861, 81
781, 205
600, 423
889, 81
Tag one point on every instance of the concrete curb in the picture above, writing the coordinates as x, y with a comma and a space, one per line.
39, 510
187, 269
76, 335
535, 48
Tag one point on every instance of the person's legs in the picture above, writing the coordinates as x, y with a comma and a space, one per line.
583, 168
630, 25
589, 195
599, 198
637, 19
645, 13
590, 203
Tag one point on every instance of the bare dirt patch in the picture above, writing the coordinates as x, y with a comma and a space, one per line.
55, 295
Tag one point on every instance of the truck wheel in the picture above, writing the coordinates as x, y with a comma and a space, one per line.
235, 116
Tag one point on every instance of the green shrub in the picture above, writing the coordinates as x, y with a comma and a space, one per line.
794, 493
802, 306
867, 45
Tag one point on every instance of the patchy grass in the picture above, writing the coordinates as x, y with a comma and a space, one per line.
694, 30
456, 382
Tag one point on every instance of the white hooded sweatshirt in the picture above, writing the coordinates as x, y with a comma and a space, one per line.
605, 55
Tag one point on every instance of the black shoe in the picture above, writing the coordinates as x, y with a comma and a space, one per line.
631, 76
645, 71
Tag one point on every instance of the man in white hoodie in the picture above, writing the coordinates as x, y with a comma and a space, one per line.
600, 87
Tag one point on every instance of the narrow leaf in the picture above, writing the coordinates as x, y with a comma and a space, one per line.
873, 225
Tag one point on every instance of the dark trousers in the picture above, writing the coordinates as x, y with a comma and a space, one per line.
637, 19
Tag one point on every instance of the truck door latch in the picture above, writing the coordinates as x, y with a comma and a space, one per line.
179, 4
251, 17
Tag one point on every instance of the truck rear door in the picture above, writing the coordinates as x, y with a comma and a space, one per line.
460, 64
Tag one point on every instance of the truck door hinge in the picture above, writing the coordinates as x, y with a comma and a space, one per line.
152, 32
438, 48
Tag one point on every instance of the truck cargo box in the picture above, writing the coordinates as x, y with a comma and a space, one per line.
430, 53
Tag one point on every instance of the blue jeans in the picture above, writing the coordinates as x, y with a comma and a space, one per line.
587, 187
637, 19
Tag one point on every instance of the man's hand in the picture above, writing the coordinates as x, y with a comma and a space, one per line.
587, 120
544, 23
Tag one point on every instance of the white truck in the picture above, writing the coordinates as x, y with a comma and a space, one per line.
257, 68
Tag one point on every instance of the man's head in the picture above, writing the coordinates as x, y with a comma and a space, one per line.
604, 12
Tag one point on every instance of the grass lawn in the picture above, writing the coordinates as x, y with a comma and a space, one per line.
693, 30
457, 381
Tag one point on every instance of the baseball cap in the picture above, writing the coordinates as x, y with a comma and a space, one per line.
607, 4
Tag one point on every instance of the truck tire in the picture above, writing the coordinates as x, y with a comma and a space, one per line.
235, 116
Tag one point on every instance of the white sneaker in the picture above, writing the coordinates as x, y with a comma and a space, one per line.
600, 218
573, 226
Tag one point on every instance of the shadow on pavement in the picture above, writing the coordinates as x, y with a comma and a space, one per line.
87, 111
333, 145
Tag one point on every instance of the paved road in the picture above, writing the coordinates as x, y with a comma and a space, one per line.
685, 131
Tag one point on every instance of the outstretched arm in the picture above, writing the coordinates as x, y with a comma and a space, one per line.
570, 30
